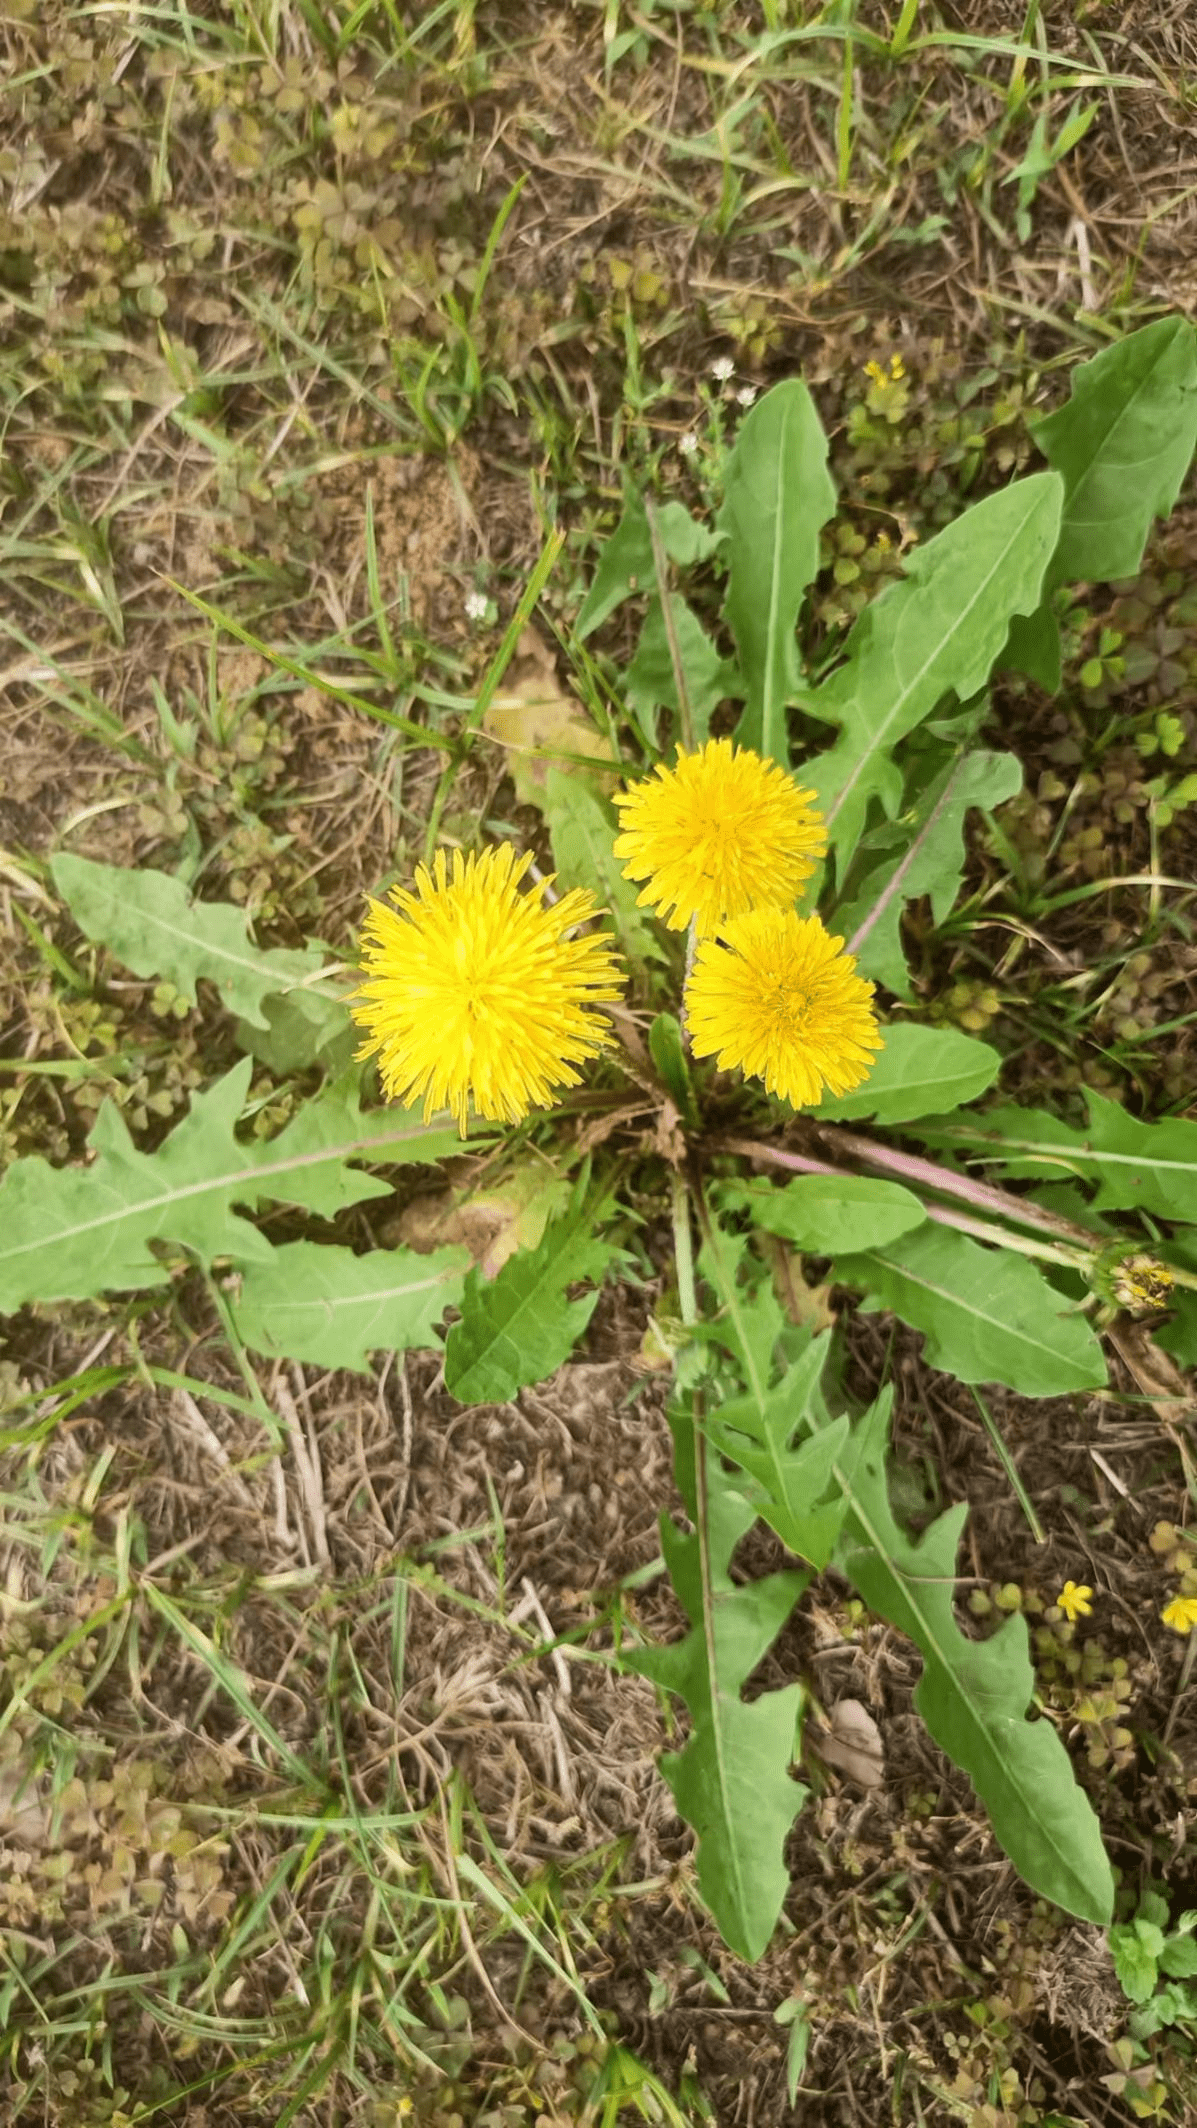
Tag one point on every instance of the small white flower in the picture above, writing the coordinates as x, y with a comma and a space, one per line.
723, 369
746, 394
476, 605
688, 444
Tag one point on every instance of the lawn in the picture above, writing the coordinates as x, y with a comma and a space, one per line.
557, 1647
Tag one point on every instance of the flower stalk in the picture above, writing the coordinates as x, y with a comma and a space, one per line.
927, 1174
1134, 1280
1060, 1252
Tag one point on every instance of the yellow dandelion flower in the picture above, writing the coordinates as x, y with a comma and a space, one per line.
1180, 1614
1076, 1601
474, 989
722, 833
775, 996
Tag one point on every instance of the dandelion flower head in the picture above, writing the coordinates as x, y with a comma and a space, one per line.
1076, 1601
473, 989
1140, 1284
720, 834
777, 997
1180, 1614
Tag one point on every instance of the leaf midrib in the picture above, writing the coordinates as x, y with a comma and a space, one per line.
1044, 1149
769, 691
328, 1304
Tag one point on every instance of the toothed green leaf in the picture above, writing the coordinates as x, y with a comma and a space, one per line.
518, 1328
937, 631
974, 1695
987, 1316
731, 1781
152, 924
74, 1233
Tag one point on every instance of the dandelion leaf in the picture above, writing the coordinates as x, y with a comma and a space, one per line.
922, 1071
938, 630
778, 495
1178, 1337
986, 1315
307, 1164
651, 681
826, 1214
74, 1233
626, 565
792, 1482
521, 1326
973, 1694
313, 1302
667, 1048
684, 539
1034, 646
926, 856
731, 1781
152, 924
303, 1027
1122, 444
788, 1480
751, 1324
1151, 1167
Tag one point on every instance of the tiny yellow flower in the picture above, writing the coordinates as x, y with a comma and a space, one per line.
897, 368
1180, 1614
475, 990
721, 833
1075, 1600
775, 996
